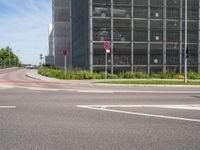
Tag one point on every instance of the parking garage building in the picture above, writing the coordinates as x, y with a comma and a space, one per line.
145, 35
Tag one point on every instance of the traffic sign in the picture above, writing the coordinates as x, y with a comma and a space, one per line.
107, 45
65, 52
107, 50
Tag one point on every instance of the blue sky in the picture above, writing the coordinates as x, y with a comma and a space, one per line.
24, 26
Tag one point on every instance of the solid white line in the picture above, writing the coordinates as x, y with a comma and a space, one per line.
95, 91
7, 107
159, 92
186, 107
140, 114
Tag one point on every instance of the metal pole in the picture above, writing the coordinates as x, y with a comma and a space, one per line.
65, 66
181, 39
165, 36
91, 55
106, 65
149, 38
9, 58
132, 35
186, 26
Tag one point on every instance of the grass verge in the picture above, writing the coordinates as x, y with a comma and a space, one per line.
153, 82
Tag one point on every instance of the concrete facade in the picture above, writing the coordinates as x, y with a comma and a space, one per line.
49, 60
61, 32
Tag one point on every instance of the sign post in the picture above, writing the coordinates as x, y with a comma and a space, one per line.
65, 53
107, 50
186, 42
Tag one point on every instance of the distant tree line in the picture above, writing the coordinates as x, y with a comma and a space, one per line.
8, 57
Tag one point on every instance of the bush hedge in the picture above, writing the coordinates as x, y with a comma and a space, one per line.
78, 74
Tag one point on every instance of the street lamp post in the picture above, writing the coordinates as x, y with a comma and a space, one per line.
186, 39
41, 57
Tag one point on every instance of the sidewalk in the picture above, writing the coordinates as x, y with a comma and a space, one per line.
8, 69
34, 75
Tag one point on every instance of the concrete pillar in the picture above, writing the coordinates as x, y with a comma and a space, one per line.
91, 35
164, 35
181, 39
112, 39
132, 35
149, 37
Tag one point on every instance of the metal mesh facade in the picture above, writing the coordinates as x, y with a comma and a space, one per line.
145, 35
61, 31
80, 36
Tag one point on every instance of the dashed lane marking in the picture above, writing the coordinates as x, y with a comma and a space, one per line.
107, 108
7, 107
42, 89
2, 86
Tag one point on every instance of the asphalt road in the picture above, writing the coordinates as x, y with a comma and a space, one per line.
41, 115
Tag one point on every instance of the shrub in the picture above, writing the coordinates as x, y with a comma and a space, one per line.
179, 76
156, 76
127, 75
78, 74
168, 75
141, 75
193, 75
112, 76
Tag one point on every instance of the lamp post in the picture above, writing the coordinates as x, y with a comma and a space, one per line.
41, 57
186, 38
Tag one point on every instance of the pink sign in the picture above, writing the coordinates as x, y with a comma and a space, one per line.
107, 45
65, 52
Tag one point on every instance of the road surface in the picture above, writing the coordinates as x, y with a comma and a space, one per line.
75, 115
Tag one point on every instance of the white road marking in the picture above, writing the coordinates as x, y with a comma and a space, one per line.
107, 109
95, 91
187, 107
7, 107
42, 89
159, 92
3, 86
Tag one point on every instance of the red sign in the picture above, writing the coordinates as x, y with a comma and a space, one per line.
65, 52
107, 45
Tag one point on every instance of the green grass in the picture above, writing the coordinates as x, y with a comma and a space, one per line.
153, 82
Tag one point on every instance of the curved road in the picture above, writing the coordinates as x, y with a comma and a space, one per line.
78, 115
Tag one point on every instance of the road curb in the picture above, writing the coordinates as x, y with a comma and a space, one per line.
32, 77
36, 76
